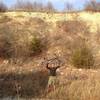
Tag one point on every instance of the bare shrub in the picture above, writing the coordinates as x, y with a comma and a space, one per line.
66, 33
70, 26
39, 26
5, 19
23, 46
20, 43
28, 41
82, 57
37, 22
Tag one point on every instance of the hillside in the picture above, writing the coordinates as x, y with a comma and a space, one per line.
61, 33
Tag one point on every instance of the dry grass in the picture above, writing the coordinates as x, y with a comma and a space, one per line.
78, 89
82, 57
59, 34
24, 85
75, 84
19, 40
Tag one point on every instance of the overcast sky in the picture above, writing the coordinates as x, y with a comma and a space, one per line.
59, 4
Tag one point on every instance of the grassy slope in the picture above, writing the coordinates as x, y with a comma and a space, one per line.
21, 19
74, 77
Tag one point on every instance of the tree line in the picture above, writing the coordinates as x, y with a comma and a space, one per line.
22, 5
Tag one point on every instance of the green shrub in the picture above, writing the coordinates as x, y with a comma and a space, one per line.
5, 47
82, 58
37, 45
5, 42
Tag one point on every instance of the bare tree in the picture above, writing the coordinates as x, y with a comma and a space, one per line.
40, 7
22, 5
92, 5
18, 5
49, 7
33, 6
68, 7
28, 6
3, 7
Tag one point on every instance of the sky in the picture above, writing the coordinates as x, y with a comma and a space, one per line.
59, 4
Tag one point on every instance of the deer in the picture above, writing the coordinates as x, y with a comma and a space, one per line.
52, 65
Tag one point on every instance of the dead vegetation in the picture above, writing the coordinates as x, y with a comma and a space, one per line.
23, 43
82, 57
92, 6
27, 85
80, 84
